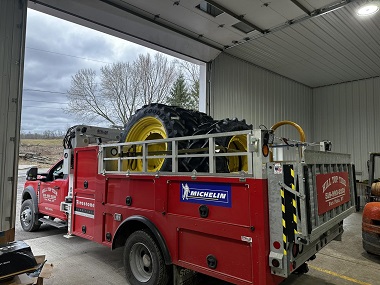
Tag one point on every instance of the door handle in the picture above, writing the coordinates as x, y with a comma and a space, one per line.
56, 187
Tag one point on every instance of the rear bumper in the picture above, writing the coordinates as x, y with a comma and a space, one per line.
371, 242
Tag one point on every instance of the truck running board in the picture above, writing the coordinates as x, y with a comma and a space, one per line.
58, 225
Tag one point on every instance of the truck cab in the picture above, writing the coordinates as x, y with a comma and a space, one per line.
42, 196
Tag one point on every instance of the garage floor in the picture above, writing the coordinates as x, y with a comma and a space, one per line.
79, 261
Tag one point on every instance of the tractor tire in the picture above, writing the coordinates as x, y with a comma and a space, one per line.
143, 260
231, 143
223, 164
199, 164
202, 118
188, 119
192, 119
28, 218
152, 122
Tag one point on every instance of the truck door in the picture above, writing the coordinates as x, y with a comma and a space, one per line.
52, 191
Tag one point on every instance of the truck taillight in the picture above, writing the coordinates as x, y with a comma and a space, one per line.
295, 250
276, 245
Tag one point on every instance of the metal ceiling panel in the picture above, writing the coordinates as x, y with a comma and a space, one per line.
316, 4
334, 48
256, 12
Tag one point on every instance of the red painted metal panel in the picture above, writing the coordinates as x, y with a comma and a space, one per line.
243, 213
333, 190
85, 185
233, 256
51, 194
238, 213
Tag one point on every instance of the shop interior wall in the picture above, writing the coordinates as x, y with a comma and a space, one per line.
243, 90
348, 115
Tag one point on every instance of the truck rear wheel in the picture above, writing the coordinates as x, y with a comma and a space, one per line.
143, 261
28, 219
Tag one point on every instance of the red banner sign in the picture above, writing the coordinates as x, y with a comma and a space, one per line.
332, 190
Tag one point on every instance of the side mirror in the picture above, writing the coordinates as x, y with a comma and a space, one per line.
31, 174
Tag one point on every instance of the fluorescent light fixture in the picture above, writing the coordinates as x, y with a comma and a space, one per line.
368, 8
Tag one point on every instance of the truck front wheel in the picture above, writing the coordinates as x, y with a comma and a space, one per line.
143, 261
28, 219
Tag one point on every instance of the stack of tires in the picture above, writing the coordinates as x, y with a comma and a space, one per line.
159, 121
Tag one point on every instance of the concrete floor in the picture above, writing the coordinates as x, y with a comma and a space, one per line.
79, 261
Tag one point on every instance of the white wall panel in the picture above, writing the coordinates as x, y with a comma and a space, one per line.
348, 115
243, 90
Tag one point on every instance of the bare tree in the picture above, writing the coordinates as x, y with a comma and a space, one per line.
120, 89
86, 100
157, 76
120, 85
190, 70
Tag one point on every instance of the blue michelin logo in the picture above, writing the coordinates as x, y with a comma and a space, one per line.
206, 193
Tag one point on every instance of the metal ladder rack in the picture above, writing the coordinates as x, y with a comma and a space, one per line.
113, 158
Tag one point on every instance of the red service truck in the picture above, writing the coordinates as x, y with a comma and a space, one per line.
253, 226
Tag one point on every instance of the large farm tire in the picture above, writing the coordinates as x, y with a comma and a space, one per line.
193, 120
143, 261
226, 144
153, 122
188, 119
199, 164
230, 144
28, 217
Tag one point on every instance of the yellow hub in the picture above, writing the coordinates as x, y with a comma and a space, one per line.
147, 128
237, 144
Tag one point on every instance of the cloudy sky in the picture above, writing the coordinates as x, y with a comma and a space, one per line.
56, 50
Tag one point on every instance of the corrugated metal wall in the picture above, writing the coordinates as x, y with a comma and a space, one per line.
12, 35
345, 114
243, 90
348, 115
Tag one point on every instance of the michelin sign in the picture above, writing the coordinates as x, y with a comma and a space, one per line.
206, 193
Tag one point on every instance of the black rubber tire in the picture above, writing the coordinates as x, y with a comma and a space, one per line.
171, 121
200, 164
221, 126
187, 118
28, 217
143, 260
201, 117
196, 123
224, 126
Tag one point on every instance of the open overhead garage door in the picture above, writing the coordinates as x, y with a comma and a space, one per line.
12, 35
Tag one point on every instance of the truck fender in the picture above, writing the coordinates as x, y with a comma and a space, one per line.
29, 193
134, 223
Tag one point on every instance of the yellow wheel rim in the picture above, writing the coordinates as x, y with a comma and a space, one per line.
237, 163
147, 128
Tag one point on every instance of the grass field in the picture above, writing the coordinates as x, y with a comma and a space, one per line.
40, 152
42, 142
